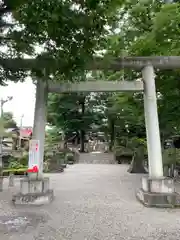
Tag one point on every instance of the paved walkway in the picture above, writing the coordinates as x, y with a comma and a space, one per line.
93, 202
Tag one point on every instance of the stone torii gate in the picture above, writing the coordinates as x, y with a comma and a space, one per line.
156, 190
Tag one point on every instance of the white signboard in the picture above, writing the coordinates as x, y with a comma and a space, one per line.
33, 153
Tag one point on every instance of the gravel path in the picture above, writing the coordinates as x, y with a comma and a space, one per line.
93, 202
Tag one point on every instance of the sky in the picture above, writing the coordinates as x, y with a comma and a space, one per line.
23, 101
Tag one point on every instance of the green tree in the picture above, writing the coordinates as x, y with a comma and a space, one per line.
69, 31
12, 46
144, 32
150, 29
8, 120
68, 34
157, 34
73, 113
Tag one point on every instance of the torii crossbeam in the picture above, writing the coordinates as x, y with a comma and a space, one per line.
96, 86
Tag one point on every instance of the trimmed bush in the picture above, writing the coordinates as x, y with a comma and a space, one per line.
123, 154
20, 171
171, 156
54, 161
70, 158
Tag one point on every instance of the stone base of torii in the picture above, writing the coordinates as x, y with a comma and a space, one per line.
156, 190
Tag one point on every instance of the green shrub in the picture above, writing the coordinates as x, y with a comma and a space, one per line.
12, 170
69, 157
15, 164
24, 160
46, 166
20, 171
122, 151
171, 156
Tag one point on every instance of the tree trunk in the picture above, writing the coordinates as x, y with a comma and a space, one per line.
14, 143
112, 134
137, 165
82, 132
82, 144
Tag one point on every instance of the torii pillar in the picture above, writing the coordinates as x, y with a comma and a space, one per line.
35, 189
152, 123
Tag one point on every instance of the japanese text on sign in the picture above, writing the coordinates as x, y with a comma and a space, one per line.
33, 153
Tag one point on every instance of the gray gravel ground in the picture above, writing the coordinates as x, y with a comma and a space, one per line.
92, 202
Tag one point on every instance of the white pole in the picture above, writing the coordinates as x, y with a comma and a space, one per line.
40, 120
21, 122
152, 123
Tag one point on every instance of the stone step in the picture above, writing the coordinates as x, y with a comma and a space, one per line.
97, 158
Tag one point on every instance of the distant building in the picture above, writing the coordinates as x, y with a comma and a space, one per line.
25, 132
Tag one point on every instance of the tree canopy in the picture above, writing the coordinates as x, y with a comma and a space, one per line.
70, 33
147, 28
151, 28
67, 32
8, 120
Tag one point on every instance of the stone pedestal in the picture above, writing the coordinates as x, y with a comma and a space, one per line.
1, 183
158, 192
11, 180
33, 192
